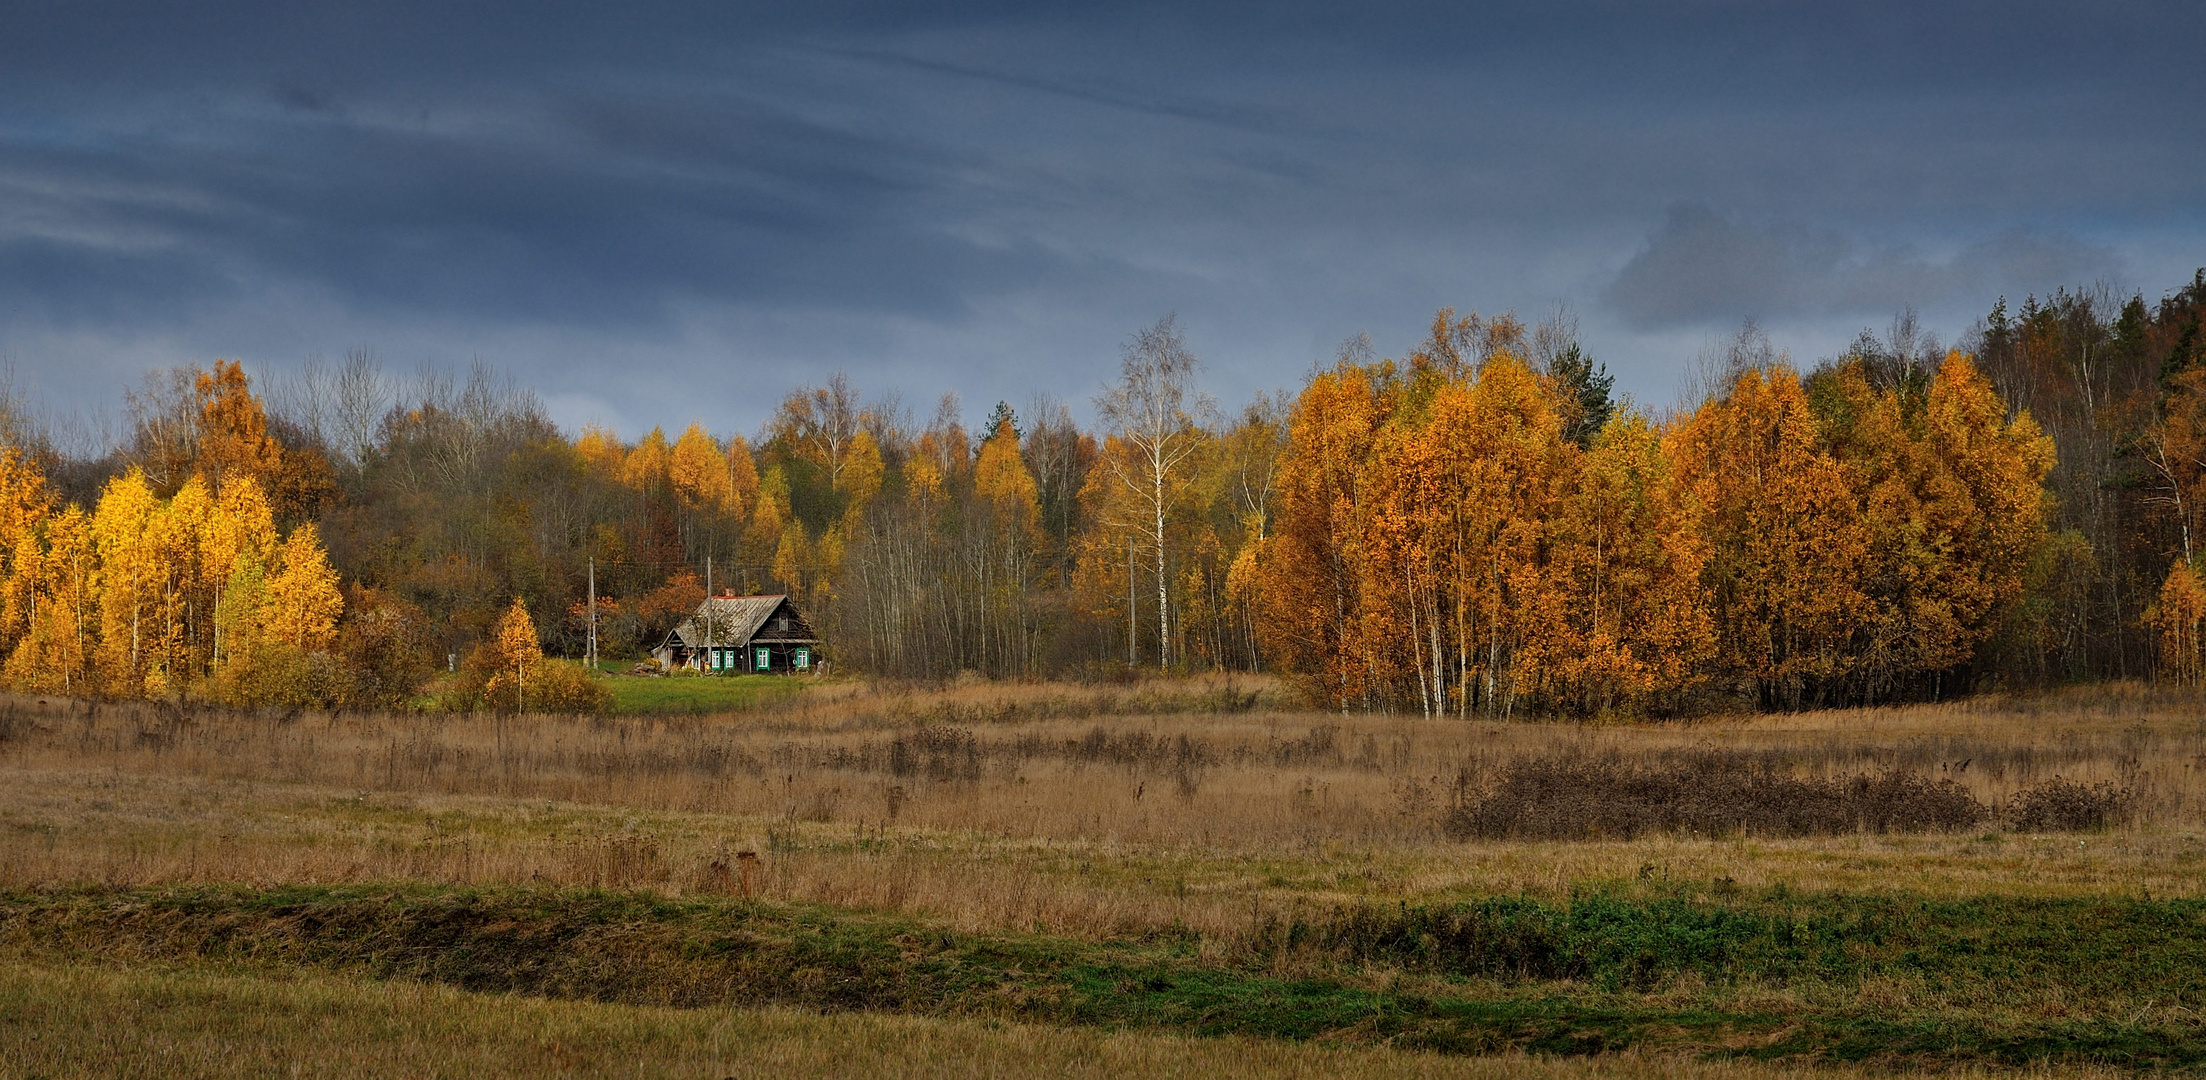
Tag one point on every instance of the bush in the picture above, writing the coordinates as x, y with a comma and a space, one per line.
279, 674
2059, 805
1572, 797
382, 642
564, 686
468, 690
553, 686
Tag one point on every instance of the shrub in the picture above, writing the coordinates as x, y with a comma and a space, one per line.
1577, 796
381, 640
280, 674
2059, 805
468, 690
558, 686
564, 686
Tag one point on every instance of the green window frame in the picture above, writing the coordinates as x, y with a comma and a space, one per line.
802, 661
762, 658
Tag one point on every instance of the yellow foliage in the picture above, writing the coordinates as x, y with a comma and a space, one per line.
1628, 554
1001, 479
303, 601
55, 654
1444, 544
1310, 594
2180, 617
24, 502
562, 686
792, 555
130, 579
924, 480
825, 564
861, 475
517, 654
646, 466
276, 673
245, 530
742, 479
762, 536
699, 471
600, 451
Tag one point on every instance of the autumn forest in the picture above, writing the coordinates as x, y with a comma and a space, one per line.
1479, 528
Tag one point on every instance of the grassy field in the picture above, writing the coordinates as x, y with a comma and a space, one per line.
1147, 880
698, 695
166, 1023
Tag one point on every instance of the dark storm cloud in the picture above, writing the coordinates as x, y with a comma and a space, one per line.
989, 197
594, 209
1701, 267
1249, 119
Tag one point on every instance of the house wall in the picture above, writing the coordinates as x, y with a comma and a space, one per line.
780, 659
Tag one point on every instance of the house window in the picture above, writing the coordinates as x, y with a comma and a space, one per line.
803, 660
762, 658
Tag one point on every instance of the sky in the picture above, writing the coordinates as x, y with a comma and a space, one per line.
658, 213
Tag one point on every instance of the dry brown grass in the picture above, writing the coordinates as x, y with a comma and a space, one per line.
68, 1022
1038, 806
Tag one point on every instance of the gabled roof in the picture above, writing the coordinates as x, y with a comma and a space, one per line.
736, 621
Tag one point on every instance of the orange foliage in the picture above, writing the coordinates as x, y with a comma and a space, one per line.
233, 433
1444, 546
516, 654
1788, 549
1001, 480
1311, 592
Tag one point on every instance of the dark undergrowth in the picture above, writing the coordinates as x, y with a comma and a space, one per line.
1989, 980
1575, 796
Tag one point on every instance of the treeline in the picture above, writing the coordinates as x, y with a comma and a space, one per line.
1900, 522
1477, 528
2117, 383
167, 589
1456, 539
198, 573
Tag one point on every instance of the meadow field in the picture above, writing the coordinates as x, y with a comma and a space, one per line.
1174, 877
659, 695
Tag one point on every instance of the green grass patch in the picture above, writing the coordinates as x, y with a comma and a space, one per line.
2119, 951
693, 694
1992, 980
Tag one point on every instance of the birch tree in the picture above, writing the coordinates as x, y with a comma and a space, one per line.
1151, 409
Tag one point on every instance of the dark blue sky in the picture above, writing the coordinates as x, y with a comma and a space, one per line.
655, 213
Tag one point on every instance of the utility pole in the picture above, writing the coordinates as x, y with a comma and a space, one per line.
712, 647
593, 613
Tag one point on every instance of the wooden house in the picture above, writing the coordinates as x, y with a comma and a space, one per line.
742, 635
